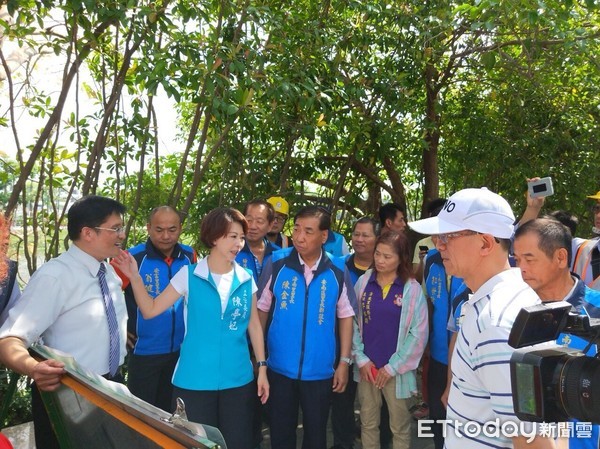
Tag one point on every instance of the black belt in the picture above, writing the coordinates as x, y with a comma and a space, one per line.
118, 377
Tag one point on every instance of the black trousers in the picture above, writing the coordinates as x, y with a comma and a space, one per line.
230, 410
286, 395
149, 378
343, 425
45, 438
436, 384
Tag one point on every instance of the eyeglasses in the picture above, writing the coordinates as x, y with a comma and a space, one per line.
444, 238
119, 230
279, 219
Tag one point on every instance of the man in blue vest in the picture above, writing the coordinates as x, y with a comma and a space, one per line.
257, 249
260, 215
542, 249
305, 292
155, 342
336, 244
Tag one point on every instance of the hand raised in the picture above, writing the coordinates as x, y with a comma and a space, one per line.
126, 263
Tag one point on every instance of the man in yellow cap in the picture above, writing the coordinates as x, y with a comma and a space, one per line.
595, 197
282, 211
586, 260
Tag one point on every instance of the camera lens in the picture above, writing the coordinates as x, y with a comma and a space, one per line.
579, 387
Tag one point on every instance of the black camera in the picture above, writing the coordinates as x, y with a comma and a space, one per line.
553, 383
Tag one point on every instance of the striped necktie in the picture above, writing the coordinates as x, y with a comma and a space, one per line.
113, 327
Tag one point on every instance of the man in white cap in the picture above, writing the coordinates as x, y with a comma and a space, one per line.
473, 233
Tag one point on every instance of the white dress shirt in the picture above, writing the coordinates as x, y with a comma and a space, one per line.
63, 304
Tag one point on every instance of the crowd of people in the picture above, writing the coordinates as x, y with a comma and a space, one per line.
266, 325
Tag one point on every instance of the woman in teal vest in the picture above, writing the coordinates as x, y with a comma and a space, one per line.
214, 374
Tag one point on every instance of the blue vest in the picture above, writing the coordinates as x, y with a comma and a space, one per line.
333, 244
214, 353
301, 339
355, 272
583, 297
441, 296
162, 334
247, 260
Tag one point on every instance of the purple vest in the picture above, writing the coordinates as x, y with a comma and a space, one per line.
381, 320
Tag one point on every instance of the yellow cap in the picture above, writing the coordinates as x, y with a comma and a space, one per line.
279, 204
596, 196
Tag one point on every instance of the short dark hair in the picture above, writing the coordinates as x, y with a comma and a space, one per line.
89, 212
399, 243
566, 218
505, 244
368, 220
217, 224
157, 209
320, 213
552, 235
435, 206
389, 211
261, 202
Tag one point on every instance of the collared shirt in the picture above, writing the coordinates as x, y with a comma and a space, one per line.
343, 309
381, 309
481, 389
63, 304
180, 281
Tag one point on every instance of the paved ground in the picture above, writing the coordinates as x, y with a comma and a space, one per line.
22, 438
416, 442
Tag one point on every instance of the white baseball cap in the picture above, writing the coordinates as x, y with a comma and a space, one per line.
479, 210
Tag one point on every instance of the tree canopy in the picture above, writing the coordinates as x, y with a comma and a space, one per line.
347, 102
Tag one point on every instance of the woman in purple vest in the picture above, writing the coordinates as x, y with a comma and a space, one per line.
389, 339
214, 374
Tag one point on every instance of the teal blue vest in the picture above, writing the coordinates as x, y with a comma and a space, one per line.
214, 353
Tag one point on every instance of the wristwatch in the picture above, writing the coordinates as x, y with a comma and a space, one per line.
347, 360
261, 363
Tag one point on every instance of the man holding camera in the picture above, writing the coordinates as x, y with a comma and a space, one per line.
542, 250
473, 237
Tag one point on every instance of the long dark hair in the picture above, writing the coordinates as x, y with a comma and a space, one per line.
399, 243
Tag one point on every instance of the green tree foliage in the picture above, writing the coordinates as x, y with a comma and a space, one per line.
347, 102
